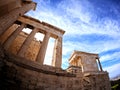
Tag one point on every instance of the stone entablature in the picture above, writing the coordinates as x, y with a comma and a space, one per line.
42, 26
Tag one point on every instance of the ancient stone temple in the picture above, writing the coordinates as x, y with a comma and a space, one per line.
22, 55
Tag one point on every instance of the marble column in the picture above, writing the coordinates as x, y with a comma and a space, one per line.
26, 43
7, 33
43, 48
57, 53
8, 19
12, 37
100, 64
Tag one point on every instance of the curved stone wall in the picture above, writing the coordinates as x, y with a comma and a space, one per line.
17, 73
28, 75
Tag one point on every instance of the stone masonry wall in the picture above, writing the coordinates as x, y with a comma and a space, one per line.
21, 74
96, 82
17, 73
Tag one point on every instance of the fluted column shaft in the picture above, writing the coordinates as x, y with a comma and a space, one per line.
12, 37
26, 43
42, 51
57, 53
7, 33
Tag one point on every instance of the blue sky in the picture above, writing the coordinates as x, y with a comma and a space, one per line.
90, 25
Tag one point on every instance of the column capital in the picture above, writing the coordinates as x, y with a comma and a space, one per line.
97, 57
36, 29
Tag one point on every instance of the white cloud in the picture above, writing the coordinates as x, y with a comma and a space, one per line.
110, 56
113, 70
75, 10
98, 47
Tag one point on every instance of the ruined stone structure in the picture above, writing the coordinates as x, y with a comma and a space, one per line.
87, 61
22, 56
